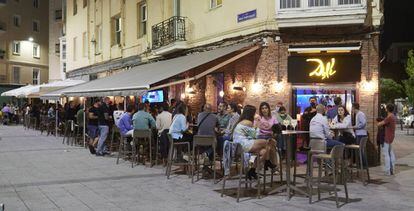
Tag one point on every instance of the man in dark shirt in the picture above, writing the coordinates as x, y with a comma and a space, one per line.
103, 120
308, 114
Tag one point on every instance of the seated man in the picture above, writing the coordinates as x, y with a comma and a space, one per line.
143, 120
319, 127
163, 122
207, 124
125, 122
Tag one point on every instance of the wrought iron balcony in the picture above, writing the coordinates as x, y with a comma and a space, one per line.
169, 31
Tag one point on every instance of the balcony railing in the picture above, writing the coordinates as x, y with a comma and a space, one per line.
168, 32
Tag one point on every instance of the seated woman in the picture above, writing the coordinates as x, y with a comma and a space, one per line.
179, 125
265, 121
245, 134
343, 122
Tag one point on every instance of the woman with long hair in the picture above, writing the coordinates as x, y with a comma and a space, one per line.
265, 121
245, 134
343, 122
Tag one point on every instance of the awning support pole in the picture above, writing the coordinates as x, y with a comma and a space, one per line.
84, 122
56, 118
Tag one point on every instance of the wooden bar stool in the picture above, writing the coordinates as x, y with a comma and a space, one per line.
145, 135
173, 151
202, 141
361, 152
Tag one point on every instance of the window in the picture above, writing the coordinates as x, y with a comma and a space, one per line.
85, 3
75, 7
36, 76
85, 44
57, 48
215, 3
64, 67
285, 4
93, 77
36, 50
74, 48
16, 75
117, 30
36, 25
58, 14
36, 3
98, 43
17, 20
319, 3
16, 48
344, 2
142, 19
63, 50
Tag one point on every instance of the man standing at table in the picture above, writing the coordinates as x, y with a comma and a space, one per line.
360, 123
390, 123
319, 128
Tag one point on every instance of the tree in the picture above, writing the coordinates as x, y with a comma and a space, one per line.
409, 83
390, 90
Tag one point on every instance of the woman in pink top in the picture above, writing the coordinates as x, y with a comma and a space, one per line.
264, 121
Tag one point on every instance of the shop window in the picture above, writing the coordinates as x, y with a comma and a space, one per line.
319, 3
36, 50
16, 75
215, 3
116, 30
285, 4
16, 48
142, 19
36, 76
345, 2
17, 20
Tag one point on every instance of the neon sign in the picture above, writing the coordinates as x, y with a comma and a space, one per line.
323, 71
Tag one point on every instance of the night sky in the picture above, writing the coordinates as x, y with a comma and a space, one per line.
399, 22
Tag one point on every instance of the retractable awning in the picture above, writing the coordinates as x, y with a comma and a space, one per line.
18, 92
52, 86
140, 78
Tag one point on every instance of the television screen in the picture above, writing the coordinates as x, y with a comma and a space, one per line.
156, 96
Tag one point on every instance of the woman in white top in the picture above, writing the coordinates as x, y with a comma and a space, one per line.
343, 122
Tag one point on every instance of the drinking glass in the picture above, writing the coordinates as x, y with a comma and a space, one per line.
294, 123
286, 123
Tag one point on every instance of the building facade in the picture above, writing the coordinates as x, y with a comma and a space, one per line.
23, 42
56, 71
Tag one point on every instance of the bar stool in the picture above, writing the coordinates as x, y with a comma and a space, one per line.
335, 157
123, 150
239, 152
114, 133
361, 149
203, 141
173, 150
141, 135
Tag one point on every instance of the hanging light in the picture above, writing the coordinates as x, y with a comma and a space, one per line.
221, 93
368, 86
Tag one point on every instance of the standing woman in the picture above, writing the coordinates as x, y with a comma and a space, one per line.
343, 121
245, 134
265, 121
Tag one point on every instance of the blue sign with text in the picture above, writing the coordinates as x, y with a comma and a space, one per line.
246, 16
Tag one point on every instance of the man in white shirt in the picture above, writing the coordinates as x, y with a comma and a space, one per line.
360, 123
163, 123
319, 127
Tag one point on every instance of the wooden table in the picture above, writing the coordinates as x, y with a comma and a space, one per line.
289, 186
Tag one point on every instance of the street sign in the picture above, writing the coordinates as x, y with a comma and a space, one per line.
246, 16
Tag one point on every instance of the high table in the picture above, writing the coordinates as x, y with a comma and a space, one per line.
289, 186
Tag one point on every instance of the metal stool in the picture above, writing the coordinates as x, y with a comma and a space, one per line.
141, 135
361, 149
123, 148
335, 157
203, 140
242, 173
114, 132
172, 151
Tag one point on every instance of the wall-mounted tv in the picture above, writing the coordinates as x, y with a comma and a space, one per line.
155, 96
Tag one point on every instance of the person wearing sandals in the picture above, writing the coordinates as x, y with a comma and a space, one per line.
245, 134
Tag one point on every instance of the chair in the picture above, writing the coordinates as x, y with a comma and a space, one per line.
141, 135
123, 149
173, 150
205, 141
239, 152
114, 134
362, 158
316, 146
335, 157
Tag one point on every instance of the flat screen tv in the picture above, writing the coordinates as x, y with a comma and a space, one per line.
155, 96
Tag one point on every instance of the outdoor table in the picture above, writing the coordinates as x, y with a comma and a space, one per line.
289, 186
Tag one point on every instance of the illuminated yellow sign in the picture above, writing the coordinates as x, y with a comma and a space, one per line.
323, 71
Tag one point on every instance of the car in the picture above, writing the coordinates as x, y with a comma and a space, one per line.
409, 120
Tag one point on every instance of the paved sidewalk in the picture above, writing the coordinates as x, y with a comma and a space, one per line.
40, 173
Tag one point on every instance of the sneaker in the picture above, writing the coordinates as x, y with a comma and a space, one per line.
387, 173
99, 154
92, 149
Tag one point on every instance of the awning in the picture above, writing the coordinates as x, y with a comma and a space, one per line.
17, 92
140, 78
52, 86
54, 95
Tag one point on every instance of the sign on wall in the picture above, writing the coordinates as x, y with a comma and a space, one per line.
326, 68
246, 16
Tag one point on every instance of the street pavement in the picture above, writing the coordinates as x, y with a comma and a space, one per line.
38, 172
